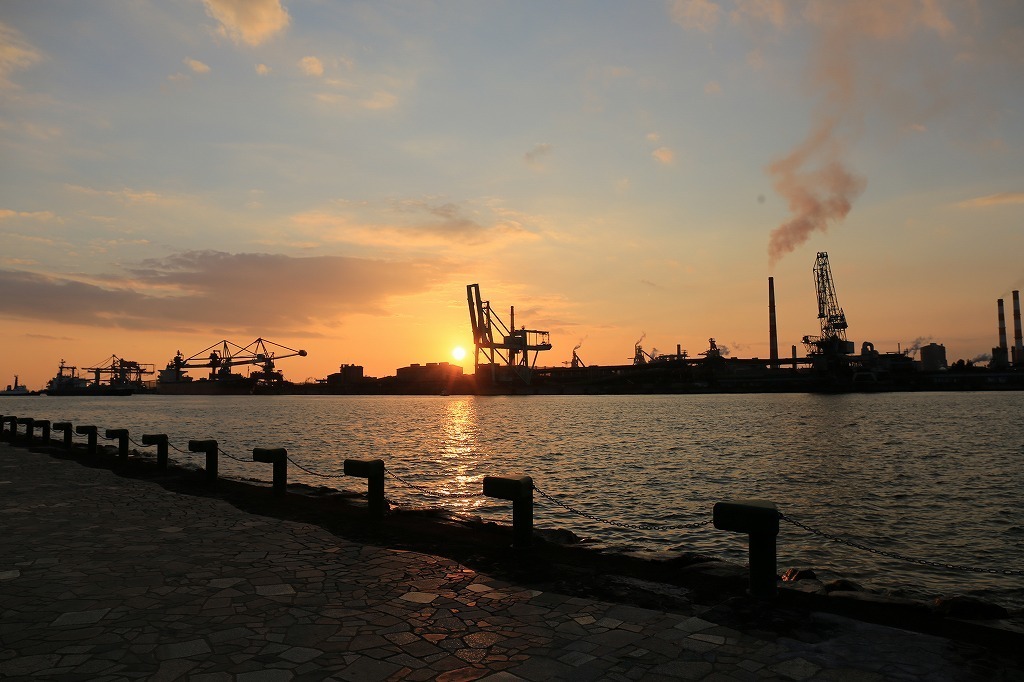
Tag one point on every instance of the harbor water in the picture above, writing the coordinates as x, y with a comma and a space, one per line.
931, 476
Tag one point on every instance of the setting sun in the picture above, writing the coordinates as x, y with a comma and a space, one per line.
458, 352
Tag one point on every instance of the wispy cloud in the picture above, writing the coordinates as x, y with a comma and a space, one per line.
535, 157
664, 156
993, 200
414, 224
45, 216
312, 66
16, 54
701, 15
196, 65
248, 21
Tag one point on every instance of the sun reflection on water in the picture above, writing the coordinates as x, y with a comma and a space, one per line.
457, 453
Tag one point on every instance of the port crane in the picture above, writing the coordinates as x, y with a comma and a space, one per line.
220, 361
499, 343
119, 372
832, 340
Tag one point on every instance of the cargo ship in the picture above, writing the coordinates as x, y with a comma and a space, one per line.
114, 377
220, 359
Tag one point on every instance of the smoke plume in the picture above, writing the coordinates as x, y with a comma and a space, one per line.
859, 67
817, 187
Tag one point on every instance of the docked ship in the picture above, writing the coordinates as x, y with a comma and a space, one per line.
15, 390
114, 377
220, 359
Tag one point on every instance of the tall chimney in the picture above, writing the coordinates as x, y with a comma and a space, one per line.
1018, 337
773, 331
1002, 325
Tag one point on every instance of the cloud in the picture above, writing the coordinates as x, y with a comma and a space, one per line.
664, 155
414, 224
16, 54
125, 196
44, 216
196, 65
701, 15
535, 157
993, 200
262, 69
311, 66
211, 290
713, 88
248, 21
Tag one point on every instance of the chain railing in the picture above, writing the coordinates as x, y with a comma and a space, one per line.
428, 491
831, 537
896, 555
620, 524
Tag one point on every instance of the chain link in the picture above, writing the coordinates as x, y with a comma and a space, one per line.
230, 456
619, 524
427, 491
314, 473
897, 555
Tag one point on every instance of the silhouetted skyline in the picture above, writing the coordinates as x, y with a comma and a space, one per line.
331, 176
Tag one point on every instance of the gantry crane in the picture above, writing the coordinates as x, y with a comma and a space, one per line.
833, 320
118, 372
498, 343
231, 355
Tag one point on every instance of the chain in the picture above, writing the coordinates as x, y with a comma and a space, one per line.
896, 555
314, 473
230, 456
619, 524
427, 491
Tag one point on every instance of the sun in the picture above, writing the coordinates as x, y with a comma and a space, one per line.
458, 352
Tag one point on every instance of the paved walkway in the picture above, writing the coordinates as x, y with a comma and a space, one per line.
107, 578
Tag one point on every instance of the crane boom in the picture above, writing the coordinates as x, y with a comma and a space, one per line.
830, 313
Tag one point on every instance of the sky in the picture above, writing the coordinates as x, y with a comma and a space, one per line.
331, 175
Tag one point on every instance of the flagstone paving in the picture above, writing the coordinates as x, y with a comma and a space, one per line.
110, 578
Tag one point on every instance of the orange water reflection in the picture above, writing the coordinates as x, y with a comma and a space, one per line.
459, 443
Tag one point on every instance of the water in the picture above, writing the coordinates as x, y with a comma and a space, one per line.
936, 476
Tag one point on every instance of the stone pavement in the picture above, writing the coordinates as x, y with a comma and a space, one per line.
110, 578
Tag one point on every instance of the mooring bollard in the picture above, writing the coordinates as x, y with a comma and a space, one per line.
29, 423
44, 426
279, 458
68, 430
122, 442
373, 471
5, 434
91, 432
210, 448
759, 519
160, 441
520, 491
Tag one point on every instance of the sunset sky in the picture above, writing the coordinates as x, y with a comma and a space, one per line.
331, 175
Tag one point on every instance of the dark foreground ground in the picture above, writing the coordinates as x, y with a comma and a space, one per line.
123, 572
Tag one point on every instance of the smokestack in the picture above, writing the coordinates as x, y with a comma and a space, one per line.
773, 330
1018, 337
1002, 325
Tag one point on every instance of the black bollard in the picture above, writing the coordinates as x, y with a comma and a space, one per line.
44, 425
520, 491
160, 441
122, 442
279, 458
210, 448
759, 519
11, 435
373, 471
68, 430
91, 432
29, 423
